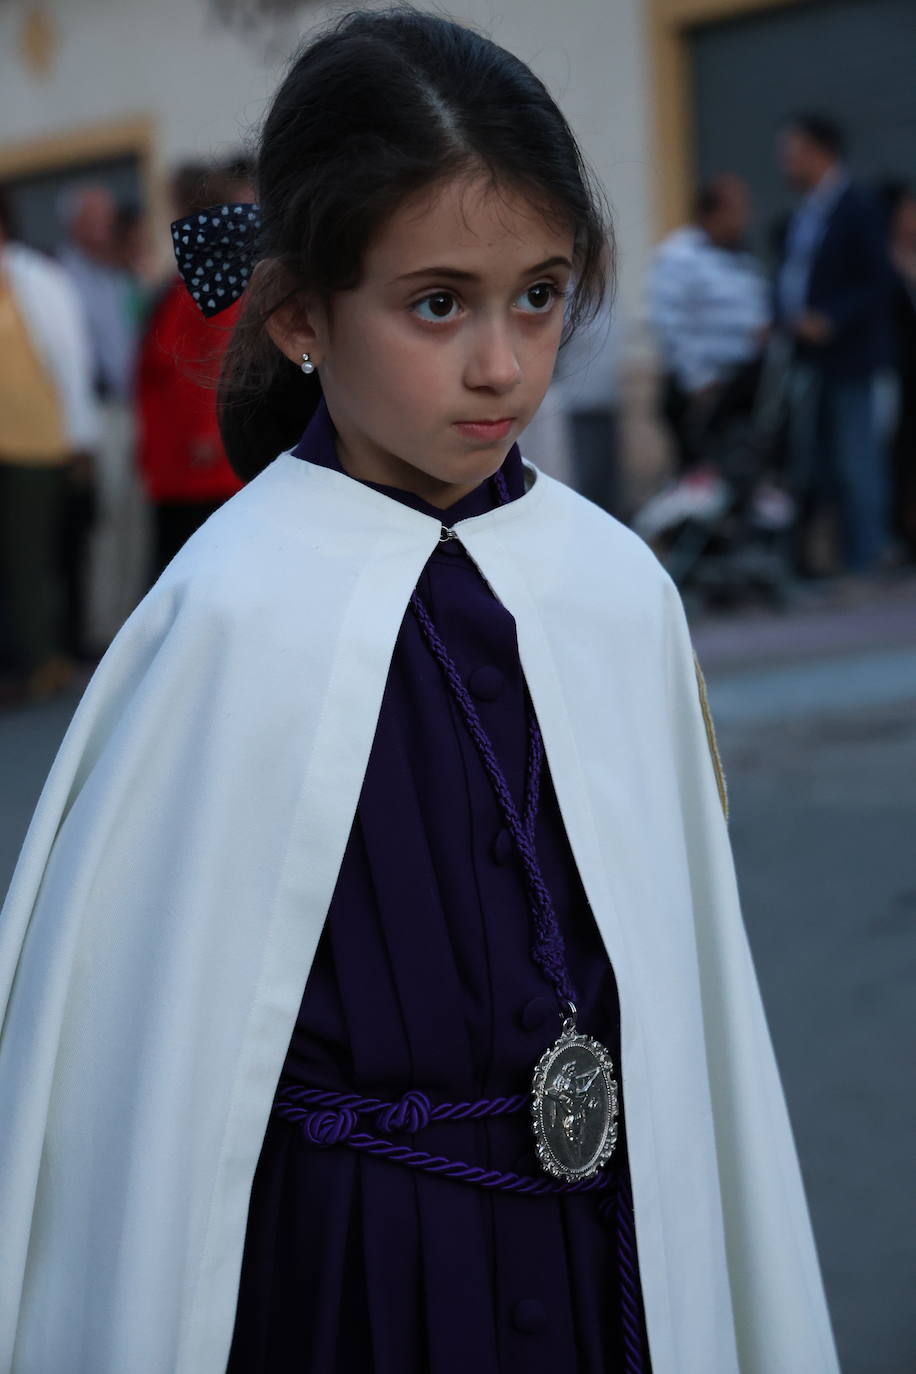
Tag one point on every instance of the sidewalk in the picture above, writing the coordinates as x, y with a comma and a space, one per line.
819, 661
884, 619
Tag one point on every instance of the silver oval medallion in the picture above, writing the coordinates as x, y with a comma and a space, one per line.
574, 1105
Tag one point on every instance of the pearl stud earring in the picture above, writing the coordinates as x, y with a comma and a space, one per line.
308, 367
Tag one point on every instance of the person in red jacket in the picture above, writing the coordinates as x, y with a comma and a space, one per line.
182, 461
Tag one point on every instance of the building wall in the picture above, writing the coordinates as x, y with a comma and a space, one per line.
206, 89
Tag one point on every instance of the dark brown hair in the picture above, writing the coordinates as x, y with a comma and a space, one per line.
377, 108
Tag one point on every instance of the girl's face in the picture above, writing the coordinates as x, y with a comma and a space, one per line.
434, 364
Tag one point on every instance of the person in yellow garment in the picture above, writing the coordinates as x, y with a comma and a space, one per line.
47, 424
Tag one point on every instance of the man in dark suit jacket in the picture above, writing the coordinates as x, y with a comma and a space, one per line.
832, 297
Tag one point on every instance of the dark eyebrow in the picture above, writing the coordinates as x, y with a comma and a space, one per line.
455, 273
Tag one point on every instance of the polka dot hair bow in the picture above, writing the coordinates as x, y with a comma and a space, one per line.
216, 251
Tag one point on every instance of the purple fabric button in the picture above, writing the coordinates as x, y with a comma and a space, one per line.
486, 683
528, 1316
502, 847
534, 1013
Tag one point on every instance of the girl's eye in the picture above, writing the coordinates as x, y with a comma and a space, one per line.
538, 299
440, 306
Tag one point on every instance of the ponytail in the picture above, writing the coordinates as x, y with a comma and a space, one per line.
263, 401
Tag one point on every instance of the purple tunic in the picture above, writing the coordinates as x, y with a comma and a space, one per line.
423, 979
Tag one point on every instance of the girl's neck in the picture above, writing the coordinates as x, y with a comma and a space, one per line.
321, 445
391, 471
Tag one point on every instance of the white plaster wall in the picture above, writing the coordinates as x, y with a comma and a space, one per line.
208, 88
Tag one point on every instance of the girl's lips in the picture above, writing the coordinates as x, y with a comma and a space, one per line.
485, 429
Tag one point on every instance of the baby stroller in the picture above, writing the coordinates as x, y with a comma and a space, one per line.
723, 530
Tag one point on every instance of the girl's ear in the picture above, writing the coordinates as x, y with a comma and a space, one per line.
297, 324
296, 328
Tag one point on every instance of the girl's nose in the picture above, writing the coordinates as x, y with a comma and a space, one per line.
493, 364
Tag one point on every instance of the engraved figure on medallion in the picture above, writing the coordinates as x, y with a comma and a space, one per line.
571, 1099
575, 1107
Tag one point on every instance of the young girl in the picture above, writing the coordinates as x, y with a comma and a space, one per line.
375, 955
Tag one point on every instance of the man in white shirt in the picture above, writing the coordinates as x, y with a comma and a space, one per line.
709, 304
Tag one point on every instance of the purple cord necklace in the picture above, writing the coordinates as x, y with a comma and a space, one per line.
574, 1099
548, 950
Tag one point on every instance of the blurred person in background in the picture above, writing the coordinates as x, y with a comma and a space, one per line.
91, 256
588, 387
133, 253
117, 542
184, 468
832, 301
899, 200
710, 308
48, 429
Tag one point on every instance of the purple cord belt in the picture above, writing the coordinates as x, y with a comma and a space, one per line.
331, 1118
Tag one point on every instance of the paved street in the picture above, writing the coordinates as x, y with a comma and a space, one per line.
823, 832
817, 724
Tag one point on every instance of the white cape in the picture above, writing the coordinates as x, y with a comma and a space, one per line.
170, 895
